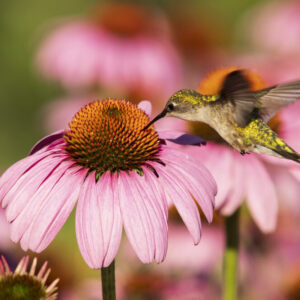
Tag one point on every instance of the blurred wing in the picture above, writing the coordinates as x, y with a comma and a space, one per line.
275, 98
236, 89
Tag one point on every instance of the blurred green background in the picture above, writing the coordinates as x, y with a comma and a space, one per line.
23, 91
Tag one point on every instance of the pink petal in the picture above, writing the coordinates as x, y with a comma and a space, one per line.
40, 211
287, 186
219, 160
178, 194
261, 196
98, 221
12, 175
236, 181
143, 221
20, 194
146, 107
46, 141
195, 178
156, 204
55, 210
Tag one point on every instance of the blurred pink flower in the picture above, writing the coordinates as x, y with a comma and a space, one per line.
272, 68
56, 114
256, 179
112, 53
190, 289
184, 257
275, 26
120, 175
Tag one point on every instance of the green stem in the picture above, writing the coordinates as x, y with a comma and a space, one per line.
231, 256
108, 282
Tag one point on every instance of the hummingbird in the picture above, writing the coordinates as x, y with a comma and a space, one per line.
237, 114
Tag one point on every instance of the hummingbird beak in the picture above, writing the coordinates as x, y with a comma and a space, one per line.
161, 115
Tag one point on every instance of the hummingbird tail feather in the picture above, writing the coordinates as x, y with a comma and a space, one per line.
290, 154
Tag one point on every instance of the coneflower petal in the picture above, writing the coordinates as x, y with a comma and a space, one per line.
235, 176
183, 201
139, 226
55, 210
158, 215
17, 198
98, 221
263, 204
23, 222
196, 180
12, 175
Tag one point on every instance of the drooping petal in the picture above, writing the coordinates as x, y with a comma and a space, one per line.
146, 107
196, 179
46, 141
261, 196
20, 194
55, 210
183, 201
156, 205
287, 186
12, 175
98, 221
236, 181
143, 225
46, 211
219, 161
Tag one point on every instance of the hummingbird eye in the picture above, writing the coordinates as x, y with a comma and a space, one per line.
171, 107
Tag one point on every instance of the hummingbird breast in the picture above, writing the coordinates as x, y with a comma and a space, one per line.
221, 120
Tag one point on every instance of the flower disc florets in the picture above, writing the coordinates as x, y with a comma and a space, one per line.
107, 136
26, 285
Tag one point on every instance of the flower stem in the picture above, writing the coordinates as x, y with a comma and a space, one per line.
108, 282
231, 256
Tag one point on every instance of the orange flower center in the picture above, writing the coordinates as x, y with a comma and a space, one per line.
107, 136
123, 19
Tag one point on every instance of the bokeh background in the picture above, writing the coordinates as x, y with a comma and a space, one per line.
41, 85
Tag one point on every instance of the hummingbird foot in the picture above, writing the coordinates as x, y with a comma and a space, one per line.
243, 152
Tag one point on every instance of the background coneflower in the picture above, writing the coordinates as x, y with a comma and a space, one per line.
25, 283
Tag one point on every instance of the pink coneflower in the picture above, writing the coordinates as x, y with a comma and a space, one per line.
252, 178
26, 285
121, 43
120, 175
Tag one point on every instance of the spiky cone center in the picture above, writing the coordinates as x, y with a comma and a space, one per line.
211, 85
107, 136
23, 285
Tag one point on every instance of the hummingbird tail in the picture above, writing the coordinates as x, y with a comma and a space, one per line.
290, 154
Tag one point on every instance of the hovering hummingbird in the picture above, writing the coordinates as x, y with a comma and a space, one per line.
239, 115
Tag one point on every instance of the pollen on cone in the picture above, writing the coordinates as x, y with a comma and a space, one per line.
107, 136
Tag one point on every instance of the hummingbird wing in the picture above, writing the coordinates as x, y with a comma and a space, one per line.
274, 98
236, 89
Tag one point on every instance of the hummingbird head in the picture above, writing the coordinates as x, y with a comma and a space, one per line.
180, 105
